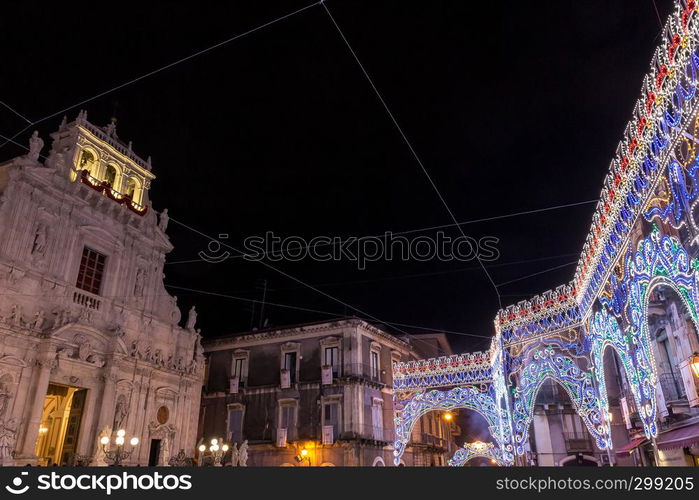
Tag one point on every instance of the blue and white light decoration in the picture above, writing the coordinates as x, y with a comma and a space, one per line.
480, 399
562, 334
470, 451
604, 331
553, 360
657, 260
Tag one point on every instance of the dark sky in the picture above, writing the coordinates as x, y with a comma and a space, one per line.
512, 106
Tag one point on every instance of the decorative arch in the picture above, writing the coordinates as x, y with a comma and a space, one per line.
548, 363
478, 449
480, 399
658, 260
378, 462
605, 333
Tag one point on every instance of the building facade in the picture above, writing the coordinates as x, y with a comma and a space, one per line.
321, 387
89, 337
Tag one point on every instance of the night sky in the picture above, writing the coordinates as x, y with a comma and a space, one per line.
512, 106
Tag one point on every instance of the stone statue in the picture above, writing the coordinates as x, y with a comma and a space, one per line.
164, 451
191, 319
39, 245
158, 357
36, 144
5, 397
111, 128
120, 412
39, 320
99, 452
84, 348
148, 353
135, 349
234, 455
192, 368
164, 219
140, 281
243, 454
8, 436
16, 315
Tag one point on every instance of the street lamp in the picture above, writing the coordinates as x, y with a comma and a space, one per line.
303, 455
216, 450
694, 363
118, 455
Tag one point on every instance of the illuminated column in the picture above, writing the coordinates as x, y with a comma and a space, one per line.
42, 372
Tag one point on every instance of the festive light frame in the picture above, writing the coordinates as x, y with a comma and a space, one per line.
482, 399
478, 449
562, 334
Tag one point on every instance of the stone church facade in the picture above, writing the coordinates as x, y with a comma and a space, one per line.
90, 340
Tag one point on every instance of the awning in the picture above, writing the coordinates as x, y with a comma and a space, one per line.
679, 438
630, 446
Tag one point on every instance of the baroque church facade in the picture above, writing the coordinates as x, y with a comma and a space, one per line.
90, 340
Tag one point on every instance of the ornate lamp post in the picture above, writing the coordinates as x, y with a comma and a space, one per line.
118, 455
216, 451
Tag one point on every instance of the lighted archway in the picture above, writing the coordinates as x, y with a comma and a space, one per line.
547, 363
480, 399
657, 260
478, 449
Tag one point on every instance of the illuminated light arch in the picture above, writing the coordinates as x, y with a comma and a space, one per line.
478, 449
481, 399
605, 333
658, 260
547, 363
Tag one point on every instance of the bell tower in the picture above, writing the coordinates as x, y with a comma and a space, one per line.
99, 159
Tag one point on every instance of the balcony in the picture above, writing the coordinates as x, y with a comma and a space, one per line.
366, 372
87, 300
578, 442
368, 432
672, 386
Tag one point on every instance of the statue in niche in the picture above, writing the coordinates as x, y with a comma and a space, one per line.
243, 454
164, 450
164, 219
140, 281
8, 437
191, 319
84, 347
40, 239
5, 396
36, 144
38, 320
120, 412
16, 315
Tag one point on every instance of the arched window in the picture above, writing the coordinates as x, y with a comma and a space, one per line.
87, 161
131, 187
110, 175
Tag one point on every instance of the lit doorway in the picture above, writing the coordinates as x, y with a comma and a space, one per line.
60, 424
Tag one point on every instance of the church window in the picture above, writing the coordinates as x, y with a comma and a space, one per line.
91, 271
